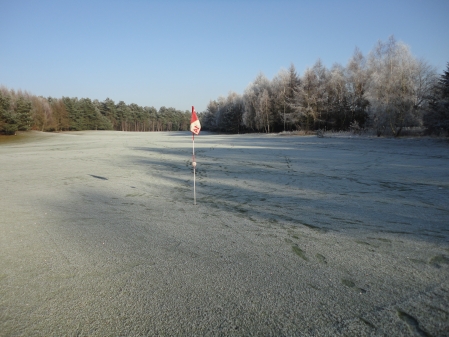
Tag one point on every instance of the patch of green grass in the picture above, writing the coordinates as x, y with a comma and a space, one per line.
363, 242
395, 232
321, 258
384, 240
439, 259
135, 195
19, 137
314, 287
316, 228
298, 251
371, 325
418, 261
444, 312
381, 239
348, 283
412, 324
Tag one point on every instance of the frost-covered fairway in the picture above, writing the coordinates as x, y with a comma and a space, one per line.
290, 236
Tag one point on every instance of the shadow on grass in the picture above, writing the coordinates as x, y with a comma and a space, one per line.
324, 184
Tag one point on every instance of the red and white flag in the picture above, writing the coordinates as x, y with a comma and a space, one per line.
195, 125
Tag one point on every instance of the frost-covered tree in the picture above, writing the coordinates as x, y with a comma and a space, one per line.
224, 114
283, 88
336, 112
252, 101
264, 115
356, 83
221, 112
209, 117
232, 109
397, 87
311, 102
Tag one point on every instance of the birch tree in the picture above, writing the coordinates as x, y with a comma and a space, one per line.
264, 116
336, 110
252, 101
310, 100
397, 88
42, 114
356, 83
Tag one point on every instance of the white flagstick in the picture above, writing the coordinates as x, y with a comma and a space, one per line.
194, 166
195, 127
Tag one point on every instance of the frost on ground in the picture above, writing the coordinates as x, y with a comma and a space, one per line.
290, 236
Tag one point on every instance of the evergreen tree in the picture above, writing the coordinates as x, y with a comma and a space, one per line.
76, 122
123, 113
436, 120
108, 110
151, 114
208, 118
23, 113
8, 122
284, 86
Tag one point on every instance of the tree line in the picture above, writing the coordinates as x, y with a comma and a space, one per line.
21, 111
386, 91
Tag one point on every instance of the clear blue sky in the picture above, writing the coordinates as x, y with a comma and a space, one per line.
184, 53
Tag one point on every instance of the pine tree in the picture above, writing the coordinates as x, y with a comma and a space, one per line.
8, 122
436, 120
444, 83
23, 113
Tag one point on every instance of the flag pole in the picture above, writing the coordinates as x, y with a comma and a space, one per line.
194, 168
195, 127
